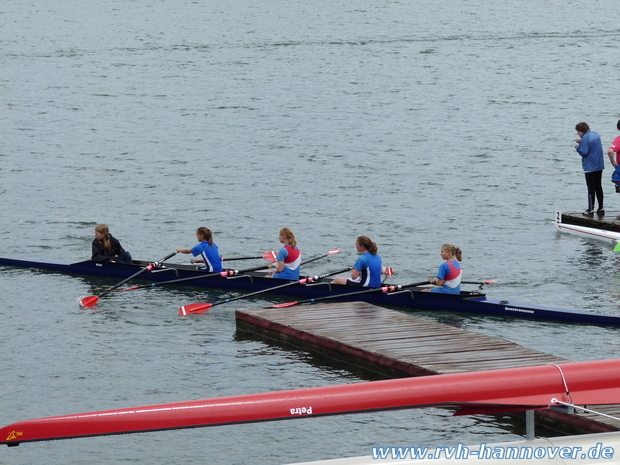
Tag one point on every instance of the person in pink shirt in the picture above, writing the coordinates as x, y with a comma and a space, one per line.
614, 157
614, 149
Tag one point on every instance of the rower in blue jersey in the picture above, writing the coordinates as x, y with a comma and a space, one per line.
207, 251
367, 269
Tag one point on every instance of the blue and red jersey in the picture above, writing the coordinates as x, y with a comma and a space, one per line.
291, 256
451, 274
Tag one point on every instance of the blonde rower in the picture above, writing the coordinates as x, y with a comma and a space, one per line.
449, 274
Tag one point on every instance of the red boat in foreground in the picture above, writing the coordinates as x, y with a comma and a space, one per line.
515, 389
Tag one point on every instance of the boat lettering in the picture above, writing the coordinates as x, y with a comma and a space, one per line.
14, 435
301, 411
522, 310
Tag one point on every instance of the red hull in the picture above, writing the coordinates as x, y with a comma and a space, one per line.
587, 383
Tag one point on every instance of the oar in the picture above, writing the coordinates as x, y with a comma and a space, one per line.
480, 283
203, 307
225, 273
387, 271
93, 299
269, 256
331, 252
349, 294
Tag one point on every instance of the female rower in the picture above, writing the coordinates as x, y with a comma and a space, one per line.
449, 274
288, 260
207, 250
367, 269
107, 249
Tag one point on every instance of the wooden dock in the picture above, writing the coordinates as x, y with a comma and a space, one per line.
397, 344
609, 222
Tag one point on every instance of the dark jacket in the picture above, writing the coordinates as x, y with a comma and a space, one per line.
103, 255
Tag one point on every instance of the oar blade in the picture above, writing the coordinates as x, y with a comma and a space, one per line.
332, 251
270, 256
284, 305
89, 301
617, 247
486, 281
388, 270
194, 308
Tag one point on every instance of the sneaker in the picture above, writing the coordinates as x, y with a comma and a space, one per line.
588, 213
600, 212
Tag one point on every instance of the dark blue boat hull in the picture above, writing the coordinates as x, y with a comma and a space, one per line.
413, 299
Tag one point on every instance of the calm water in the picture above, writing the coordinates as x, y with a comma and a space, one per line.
416, 123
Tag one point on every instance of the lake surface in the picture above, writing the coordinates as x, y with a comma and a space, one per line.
416, 123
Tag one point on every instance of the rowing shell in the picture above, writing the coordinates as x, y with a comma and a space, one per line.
589, 233
411, 299
483, 392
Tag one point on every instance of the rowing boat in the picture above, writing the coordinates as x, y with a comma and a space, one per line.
589, 233
472, 302
482, 392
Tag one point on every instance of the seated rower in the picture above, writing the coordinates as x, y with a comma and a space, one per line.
207, 250
107, 249
367, 269
288, 260
449, 274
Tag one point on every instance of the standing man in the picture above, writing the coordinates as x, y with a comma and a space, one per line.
590, 148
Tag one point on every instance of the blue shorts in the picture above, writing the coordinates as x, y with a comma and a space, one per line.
125, 257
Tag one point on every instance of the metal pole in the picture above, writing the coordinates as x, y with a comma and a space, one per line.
529, 425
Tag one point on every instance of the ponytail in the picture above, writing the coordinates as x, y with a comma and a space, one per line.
368, 244
206, 234
453, 250
289, 236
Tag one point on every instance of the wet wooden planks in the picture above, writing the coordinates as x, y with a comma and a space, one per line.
378, 334
399, 344
609, 222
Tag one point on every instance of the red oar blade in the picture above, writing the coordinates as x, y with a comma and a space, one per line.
194, 308
89, 301
388, 270
270, 256
332, 251
284, 305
